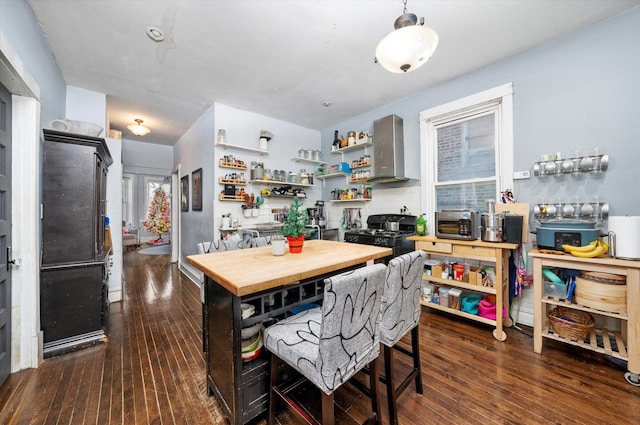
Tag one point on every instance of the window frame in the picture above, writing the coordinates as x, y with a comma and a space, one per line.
498, 99
147, 200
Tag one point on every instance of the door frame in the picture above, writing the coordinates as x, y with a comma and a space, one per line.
26, 337
175, 215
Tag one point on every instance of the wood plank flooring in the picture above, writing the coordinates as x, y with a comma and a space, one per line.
152, 371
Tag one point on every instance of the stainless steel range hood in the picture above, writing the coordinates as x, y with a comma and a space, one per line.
388, 150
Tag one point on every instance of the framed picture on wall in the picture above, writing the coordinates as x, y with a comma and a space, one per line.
196, 194
184, 193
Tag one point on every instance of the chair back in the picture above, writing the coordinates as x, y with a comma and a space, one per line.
401, 301
349, 333
229, 244
258, 241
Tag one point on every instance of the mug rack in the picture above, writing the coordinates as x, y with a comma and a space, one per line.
575, 165
585, 211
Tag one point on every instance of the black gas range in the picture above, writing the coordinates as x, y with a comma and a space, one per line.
377, 232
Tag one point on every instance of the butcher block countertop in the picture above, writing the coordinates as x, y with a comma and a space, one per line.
248, 271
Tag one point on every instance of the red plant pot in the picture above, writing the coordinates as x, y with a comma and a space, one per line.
295, 244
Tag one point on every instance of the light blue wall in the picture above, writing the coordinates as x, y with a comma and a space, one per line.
19, 26
195, 150
579, 92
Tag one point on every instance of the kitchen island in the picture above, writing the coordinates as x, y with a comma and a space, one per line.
272, 286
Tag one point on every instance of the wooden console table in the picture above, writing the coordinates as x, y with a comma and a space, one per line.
273, 285
626, 344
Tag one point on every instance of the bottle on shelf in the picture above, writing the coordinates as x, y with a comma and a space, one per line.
421, 225
336, 141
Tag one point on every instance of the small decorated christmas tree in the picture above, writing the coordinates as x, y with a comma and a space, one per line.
159, 215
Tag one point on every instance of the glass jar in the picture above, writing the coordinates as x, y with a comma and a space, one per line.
293, 178
267, 174
258, 171
304, 177
222, 136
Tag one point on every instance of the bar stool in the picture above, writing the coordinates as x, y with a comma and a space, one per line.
400, 314
327, 345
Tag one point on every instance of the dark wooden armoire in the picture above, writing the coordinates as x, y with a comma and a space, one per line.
74, 269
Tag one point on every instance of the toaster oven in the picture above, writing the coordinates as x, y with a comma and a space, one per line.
458, 224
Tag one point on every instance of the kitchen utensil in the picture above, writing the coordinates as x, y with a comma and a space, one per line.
248, 332
553, 234
552, 277
492, 227
572, 287
247, 310
392, 226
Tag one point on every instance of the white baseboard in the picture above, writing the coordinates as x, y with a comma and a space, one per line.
115, 296
191, 273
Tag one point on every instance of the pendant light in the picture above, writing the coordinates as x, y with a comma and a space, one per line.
138, 129
408, 47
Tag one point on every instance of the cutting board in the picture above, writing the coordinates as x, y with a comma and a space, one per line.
520, 208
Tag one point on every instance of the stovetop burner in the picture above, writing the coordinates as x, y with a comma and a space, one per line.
375, 234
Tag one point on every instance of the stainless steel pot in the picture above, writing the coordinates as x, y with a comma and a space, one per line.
391, 226
492, 227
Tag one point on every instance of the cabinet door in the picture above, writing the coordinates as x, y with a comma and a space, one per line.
69, 211
71, 301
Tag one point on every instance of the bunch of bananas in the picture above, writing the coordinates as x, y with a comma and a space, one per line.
594, 249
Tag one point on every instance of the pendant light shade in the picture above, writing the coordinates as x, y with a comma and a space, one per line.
138, 129
408, 47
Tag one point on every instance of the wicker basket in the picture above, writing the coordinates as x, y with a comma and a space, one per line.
571, 324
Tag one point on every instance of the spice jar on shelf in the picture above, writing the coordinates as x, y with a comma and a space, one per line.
304, 177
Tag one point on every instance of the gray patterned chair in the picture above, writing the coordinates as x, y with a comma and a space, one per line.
401, 314
327, 345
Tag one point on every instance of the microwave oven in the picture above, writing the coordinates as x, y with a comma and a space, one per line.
458, 224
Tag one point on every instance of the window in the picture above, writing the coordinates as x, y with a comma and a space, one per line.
127, 200
151, 185
468, 150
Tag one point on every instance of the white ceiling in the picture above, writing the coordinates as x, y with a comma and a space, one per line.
281, 58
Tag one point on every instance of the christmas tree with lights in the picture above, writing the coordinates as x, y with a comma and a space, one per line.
159, 216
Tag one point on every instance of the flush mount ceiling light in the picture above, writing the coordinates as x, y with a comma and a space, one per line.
155, 34
408, 47
138, 129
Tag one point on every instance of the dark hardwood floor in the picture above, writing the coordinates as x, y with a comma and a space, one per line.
152, 371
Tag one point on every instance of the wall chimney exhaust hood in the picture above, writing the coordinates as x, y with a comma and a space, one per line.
388, 150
